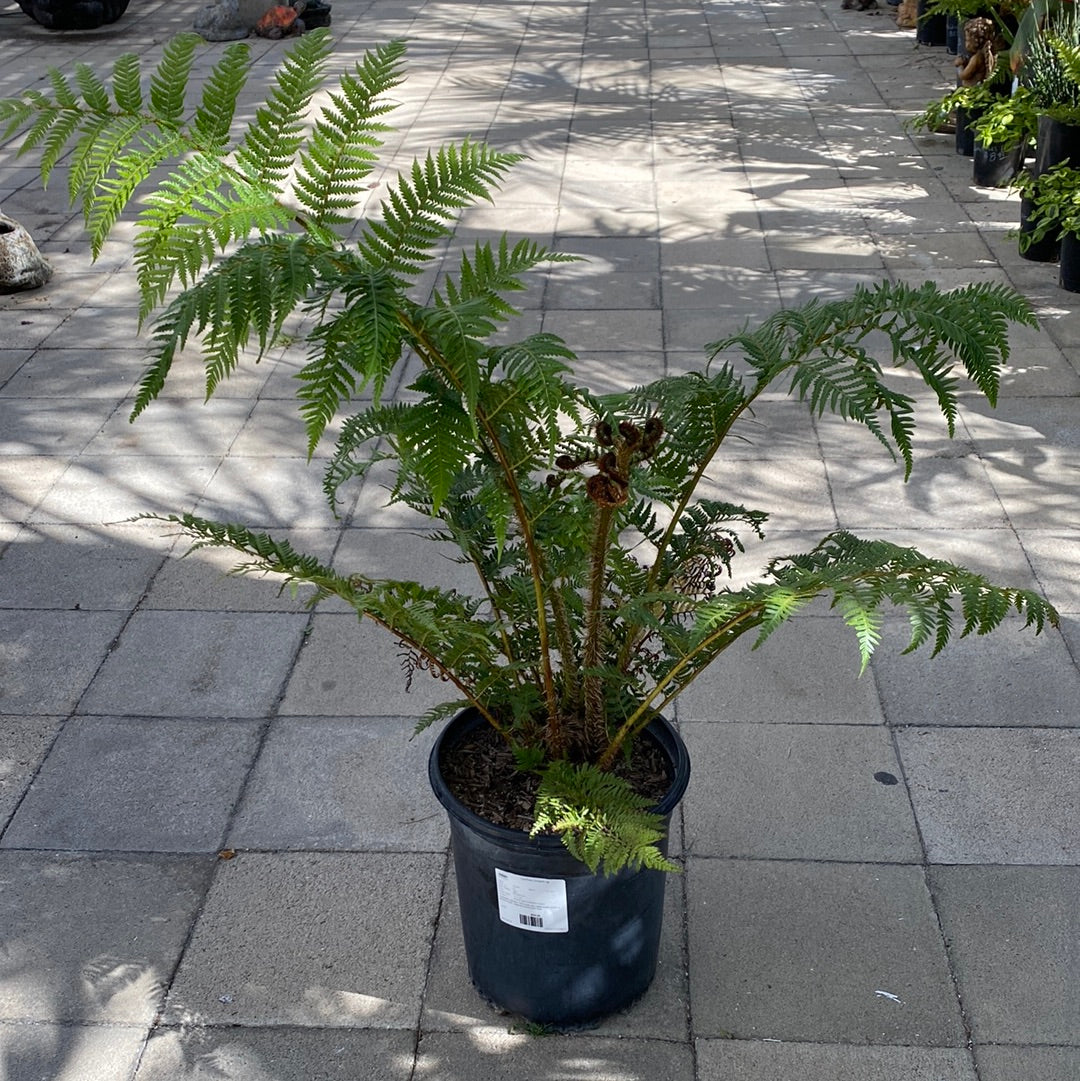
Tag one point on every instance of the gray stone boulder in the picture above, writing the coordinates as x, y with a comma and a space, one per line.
230, 20
21, 264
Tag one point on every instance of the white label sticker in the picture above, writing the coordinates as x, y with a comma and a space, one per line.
533, 904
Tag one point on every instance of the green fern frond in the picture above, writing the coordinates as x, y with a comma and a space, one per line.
212, 122
97, 155
65, 96
602, 821
93, 89
269, 147
127, 83
169, 82
15, 113
115, 191
863, 575
247, 295
62, 126
354, 349
340, 153
821, 348
437, 714
418, 208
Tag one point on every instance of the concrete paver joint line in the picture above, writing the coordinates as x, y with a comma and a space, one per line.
709, 161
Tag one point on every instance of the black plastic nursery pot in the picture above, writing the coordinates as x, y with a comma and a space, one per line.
544, 937
1069, 270
929, 29
1056, 142
1046, 250
993, 167
965, 134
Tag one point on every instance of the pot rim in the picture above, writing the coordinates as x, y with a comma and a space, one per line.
660, 729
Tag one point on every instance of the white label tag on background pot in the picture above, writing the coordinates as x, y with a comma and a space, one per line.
533, 904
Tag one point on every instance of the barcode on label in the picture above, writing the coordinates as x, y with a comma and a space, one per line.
535, 905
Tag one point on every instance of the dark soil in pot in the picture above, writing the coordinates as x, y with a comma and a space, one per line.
544, 937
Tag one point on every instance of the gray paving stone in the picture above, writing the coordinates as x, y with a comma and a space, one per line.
173, 426
817, 952
11, 360
492, 1054
606, 329
794, 497
750, 1060
342, 783
1055, 555
34, 426
136, 785
93, 938
263, 493
783, 680
202, 580
395, 553
1014, 941
23, 744
318, 940
47, 659
452, 1004
796, 791
870, 492
69, 1052
995, 795
106, 488
329, 680
1010, 677
75, 567
60, 374
258, 1054
198, 664
1012, 1063
26, 480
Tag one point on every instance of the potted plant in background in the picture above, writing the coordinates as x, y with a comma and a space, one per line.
1003, 133
1054, 218
1047, 58
601, 547
958, 110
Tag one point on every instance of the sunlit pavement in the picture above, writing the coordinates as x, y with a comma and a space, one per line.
712, 160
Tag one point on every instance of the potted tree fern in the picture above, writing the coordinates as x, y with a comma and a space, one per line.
600, 558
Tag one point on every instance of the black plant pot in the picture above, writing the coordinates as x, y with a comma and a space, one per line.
544, 937
1069, 273
1056, 142
952, 34
929, 29
993, 167
1046, 250
965, 137
74, 14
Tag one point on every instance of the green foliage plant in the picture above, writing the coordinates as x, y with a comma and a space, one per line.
1050, 69
1008, 122
973, 100
603, 571
1055, 203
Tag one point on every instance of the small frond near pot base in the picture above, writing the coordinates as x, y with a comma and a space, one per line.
597, 527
